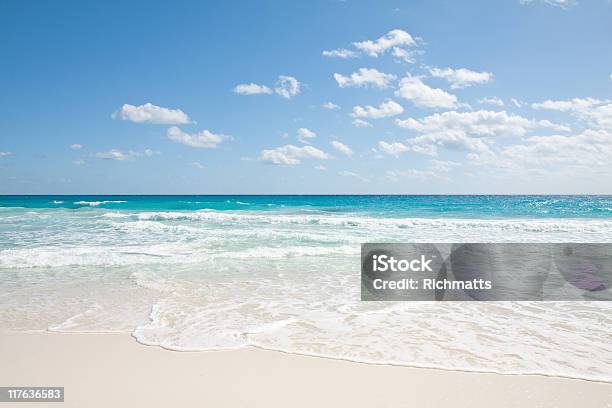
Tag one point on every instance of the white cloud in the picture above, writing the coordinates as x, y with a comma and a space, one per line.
76, 146
287, 86
564, 4
393, 148
597, 112
342, 148
321, 168
516, 102
290, 155
361, 123
494, 100
251, 89
576, 104
464, 130
5, 154
429, 150
79, 162
330, 105
462, 77
393, 38
365, 77
113, 154
305, 135
116, 154
386, 109
340, 53
346, 173
422, 95
476, 123
403, 55
589, 148
149, 113
204, 139
197, 165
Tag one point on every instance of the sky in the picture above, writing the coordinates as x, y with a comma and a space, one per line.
317, 97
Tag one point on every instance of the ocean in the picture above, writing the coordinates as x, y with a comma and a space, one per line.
282, 273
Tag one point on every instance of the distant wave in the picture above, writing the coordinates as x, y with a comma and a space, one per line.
96, 203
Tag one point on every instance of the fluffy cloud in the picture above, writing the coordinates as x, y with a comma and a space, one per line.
597, 112
118, 155
576, 104
394, 38
321, 168
290, 155
422, 95
589, 148
251, 89
364, 77
287, 86
113, 154
330, 105
340, 53
361, 123
149, 113
462, 77
342, 148
204, 139
481, 123
393, 148
403, 55
494, 100
386, 109
305, 135
5, 154
197, 165
76, 146
466, 130
453, 140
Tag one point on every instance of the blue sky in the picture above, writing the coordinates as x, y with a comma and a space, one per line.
306, 97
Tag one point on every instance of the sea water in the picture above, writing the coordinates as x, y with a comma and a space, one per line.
282, 273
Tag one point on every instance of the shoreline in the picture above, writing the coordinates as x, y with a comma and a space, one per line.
113, 369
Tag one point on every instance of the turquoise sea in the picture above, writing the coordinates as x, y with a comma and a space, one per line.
282, 273
437, 206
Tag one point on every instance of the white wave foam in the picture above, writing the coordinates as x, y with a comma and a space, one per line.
559, 339
96, 203
526, 225
169, 253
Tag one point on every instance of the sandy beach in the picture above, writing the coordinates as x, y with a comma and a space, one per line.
103, 370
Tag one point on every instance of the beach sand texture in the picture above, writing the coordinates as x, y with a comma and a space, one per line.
113, 370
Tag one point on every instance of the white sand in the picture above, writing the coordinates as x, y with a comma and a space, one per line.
113, 370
